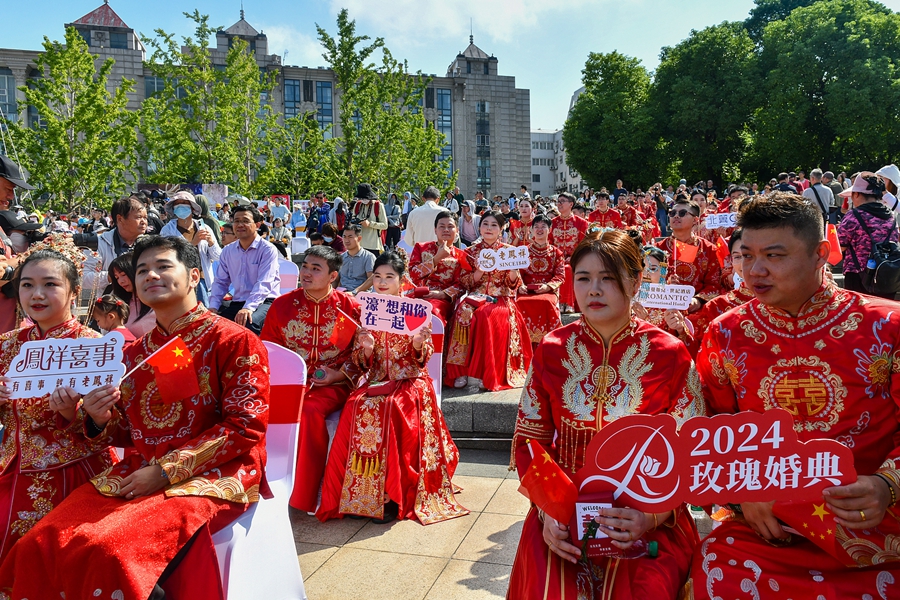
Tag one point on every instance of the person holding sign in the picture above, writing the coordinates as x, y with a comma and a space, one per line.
667, 319
45, 453
829, 357
438, 265
194, 407
538, 298
317, 322
392, 455
585, 375
692, 260
489, 337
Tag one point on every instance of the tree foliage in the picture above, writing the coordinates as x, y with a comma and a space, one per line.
610, 132
82, 150
208, 124
797, 85
383, 137
703, 99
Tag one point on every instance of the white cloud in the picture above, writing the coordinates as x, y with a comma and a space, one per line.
302, 49
418, 20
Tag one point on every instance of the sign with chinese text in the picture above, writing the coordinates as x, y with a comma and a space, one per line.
302, 205
83, 364
744, 457
658, 295
394, 314
717, 220
504, 259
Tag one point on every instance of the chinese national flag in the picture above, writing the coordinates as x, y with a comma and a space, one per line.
835, 256
685, 252
721, 250
548, 486
344, 330
173, 367
460, 255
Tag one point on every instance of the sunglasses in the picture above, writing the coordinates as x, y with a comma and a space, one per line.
680, 213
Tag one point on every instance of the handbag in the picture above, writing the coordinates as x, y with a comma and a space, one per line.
881, 275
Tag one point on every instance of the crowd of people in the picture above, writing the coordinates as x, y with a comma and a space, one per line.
159, 267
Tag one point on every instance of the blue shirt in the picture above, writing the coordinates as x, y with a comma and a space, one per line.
280, 212
252, 272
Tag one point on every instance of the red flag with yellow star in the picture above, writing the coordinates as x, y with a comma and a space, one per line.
173, 366
343, 331
816, 523
548, 486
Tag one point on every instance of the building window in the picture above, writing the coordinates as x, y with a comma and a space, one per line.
86, 36
291, 98
324, 105
8, 106
35, 120
429, 97
444, 123
118, 40
468, 67
535, 178
153, 85
534, 145
483, 152
485, 68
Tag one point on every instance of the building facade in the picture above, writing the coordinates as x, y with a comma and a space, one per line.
485, 118
550, 171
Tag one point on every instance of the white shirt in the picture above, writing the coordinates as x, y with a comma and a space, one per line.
825, 194
420, 226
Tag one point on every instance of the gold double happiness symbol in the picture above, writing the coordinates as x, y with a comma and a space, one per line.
803, 395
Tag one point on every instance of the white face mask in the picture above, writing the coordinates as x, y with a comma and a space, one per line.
19, 242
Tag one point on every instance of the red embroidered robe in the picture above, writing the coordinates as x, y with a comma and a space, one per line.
392, 439
565, 234
575, 386
212, 449
541, 311
610, 219
630, 216
835, 368
443, 277
305, 325
715, 308
703, 273
489, 337
520, 232
43, 457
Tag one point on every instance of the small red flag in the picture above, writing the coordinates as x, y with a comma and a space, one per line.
462, 256
685, 252
835, 256
343, 331
173, 367
722, 251
548, 486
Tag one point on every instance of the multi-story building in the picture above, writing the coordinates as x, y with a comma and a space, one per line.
485, 118
545, 144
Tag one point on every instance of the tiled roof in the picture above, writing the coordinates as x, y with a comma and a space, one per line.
103, 16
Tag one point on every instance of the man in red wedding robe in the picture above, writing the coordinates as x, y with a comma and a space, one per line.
830, 357
198, 459
630, 215
538, 298
566, 232
692, 260
310, 322
603, 215
436, 265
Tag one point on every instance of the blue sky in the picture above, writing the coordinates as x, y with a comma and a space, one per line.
543, 43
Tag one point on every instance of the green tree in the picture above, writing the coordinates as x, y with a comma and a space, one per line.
610, 133
209, 124
303, 158
82, 150
766, 11
832, 90
703, 98
383, 136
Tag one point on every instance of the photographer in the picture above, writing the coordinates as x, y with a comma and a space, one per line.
371, 216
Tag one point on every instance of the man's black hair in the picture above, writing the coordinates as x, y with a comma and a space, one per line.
783, 209
328, 254
444, 214
123, 207
250, 208
185, 252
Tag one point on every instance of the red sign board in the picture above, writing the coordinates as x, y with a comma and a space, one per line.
745, 457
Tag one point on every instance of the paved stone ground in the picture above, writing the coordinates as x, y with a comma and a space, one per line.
466, 558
